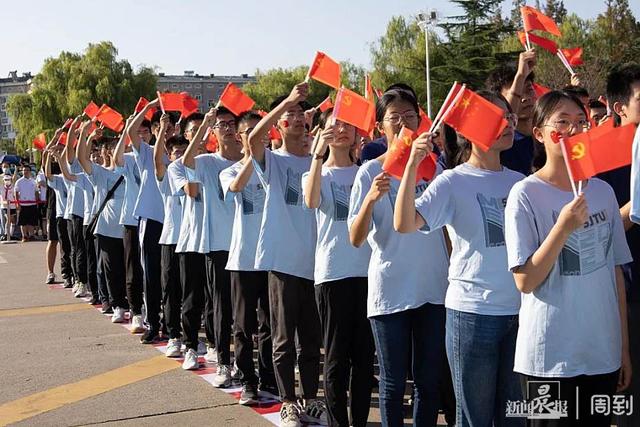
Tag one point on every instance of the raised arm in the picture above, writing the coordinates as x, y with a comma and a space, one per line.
297, 95
314, 180
69, 152
118, 153
526, 62
405, 217
132, 130
531, 275
194, 145
159, 148
64, 168
360, 228
84, 146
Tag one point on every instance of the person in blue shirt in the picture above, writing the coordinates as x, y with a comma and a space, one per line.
516, 85
623, 96
482, 300
150, 210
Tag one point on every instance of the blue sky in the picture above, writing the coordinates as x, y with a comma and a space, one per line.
221, 37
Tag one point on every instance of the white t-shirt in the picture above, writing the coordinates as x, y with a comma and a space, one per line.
172, 210
60, 189
249, 206
191, 236
336, 257
41, 184
27, 189
288, 231
635, 179
570, 325
406, 270
470, 202
103, 180
87, 189
131, 189
75, 196
149, 203
218, 212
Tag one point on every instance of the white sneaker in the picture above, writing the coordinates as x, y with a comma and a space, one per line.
190, 360
174, 348
235, 372
118, 315
290, 415
223, 377
315, 412
211, 356
74, 288
81, 290
137, 327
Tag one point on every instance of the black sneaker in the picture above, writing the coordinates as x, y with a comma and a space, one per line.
268, 388
249, 395
150, 337
95, 301
68, 283
106, 308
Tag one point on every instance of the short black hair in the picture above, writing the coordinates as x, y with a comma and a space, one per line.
303, 104
619, 83
391, 96
578, 91
546, 105
502, 77
402, 86
175, 140
146, 124
247, 116
173, 117
594, 103
225, 110
191, 118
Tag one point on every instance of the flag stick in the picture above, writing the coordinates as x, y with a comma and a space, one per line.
336, 108
316, 139
579, 187
565, 62
565, 156
526, 35
436, 123
160, 100
446, 100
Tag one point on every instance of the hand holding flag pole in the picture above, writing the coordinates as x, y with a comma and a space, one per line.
558, 138
160, 100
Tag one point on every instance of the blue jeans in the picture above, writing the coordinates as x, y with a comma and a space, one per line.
481, 349
420, 330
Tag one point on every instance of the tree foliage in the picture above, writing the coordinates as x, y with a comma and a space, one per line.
67, 83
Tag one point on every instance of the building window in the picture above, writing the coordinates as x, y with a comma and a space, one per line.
198, 96
174, 85
188, 85
211, 103
209, 85
197, 86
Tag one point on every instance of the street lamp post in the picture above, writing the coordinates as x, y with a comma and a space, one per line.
426, 19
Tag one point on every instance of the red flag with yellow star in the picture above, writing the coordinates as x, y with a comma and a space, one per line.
475, 118
533, 19
397, 157
325, 70
235, 100
601, 149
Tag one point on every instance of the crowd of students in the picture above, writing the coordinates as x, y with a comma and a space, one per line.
488, 276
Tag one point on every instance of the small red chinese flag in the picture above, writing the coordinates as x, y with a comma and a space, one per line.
170, 101
63, 139
212, 143
91, 110
67, 124
533, 19
40, 141
425, 123
235, 100
540, 90
142, 102
325, 70
599, 150
398, 155
326, 104
354, 109
368, 89
477, 119
573, 55
544, 43
110, 118
273, 132
190, 105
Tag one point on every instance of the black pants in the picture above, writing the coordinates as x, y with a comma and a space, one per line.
72, 248
112, 257
133, 268
79, 249
250, 294
150, 249
193, 278
348, 349
588, 385
66, 268
103, 291
92, 263
171, 290
219, 289
294, 311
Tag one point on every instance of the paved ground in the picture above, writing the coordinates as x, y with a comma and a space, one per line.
65, 364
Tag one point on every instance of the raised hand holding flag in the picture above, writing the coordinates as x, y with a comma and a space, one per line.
325, 70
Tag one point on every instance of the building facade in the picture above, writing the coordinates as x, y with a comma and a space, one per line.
10, 86
206, 89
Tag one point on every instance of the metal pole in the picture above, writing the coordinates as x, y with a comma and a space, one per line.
426, 45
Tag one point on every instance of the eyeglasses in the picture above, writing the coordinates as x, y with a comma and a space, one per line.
247, 131
292, 116
225, 125
567, 126
396, 118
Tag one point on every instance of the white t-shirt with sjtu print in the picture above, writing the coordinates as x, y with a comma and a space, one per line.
570, 325
249, 207
336, 257
218, 212
470, 202
288, 230
406, 270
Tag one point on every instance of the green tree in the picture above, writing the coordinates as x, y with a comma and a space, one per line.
515, 16
555, 9
67, 83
